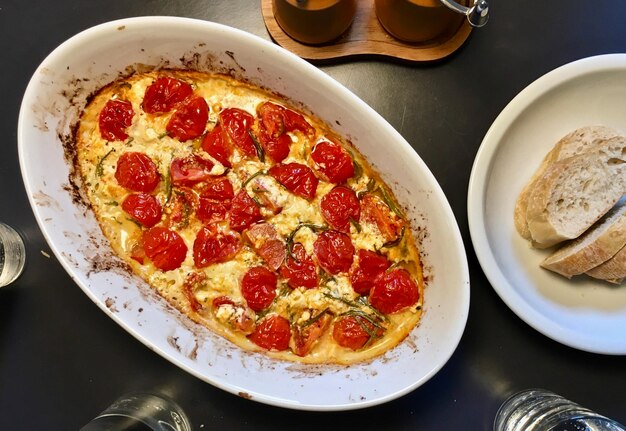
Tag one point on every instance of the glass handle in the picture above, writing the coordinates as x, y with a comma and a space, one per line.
477, 14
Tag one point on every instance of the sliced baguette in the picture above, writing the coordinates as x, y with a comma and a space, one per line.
576, 192
612, 270
597, 245
577, 142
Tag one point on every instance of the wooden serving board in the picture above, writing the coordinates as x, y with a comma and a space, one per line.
366, 36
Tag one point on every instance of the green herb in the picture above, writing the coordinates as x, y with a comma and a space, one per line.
168, 186
358, 169
163, 135
315, 318
356, 225
99, 166
371, 185
112, 203
390, 202
130, 140
258, 147
253, 176
313, 227
396, 241
134, 221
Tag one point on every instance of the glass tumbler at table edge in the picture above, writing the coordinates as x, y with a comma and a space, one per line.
141, 411
542, 410
12, 254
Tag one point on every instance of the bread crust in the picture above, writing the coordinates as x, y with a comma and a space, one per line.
577, 142
585, 204
597, 245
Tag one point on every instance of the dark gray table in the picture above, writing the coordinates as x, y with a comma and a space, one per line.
62, 360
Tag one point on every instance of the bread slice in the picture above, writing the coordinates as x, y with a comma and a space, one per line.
577, 142
576, 192
597, 245
612, 270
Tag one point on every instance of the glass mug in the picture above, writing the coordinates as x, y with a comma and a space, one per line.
314, 22
12, 255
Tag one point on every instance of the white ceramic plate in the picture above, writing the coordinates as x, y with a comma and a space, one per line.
582, 313
95, 57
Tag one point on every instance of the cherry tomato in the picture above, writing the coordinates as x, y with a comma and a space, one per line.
301, 271
339, 206
181, 205
305, 337
193, 281
190, 170
375, 211
258, 287
114, 119
244, 321
144, 208
393, 291
272, 333
213, 246
217, 146
265, 241
370, 266
272, 119
275, 147
297, 178
215, 200
295, 121
243, 211
137, 253
332, 162
189, 119
276, 120
165, 248
237, 123
164, 94
334, 251
137, 172
350, 332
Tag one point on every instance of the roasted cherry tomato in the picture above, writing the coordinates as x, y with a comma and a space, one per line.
332, 162
334, 251
137, 172
258, 287
301, 271
237, 123
180, 207
164, 94
393, 291
215, 200
243, 211
213, 246
351, 332
277, 148
192, 282
143, 207
272, 333
267, 243
276, 120
189, 119
375, 211
370, 266
164, 247
190, 170
217, 146
339, 207
305, 336
297, 178
115, 118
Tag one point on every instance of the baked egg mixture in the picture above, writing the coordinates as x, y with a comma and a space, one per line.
251, 218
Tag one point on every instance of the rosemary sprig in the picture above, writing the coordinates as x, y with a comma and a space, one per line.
100, 166
356, 225
315, 318
253, 176
386, 197
257, 146
371, 185
396, 241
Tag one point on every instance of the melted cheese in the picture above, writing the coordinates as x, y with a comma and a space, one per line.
97, 161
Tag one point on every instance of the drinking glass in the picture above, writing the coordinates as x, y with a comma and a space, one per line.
141, 412
541, 410
12, 254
